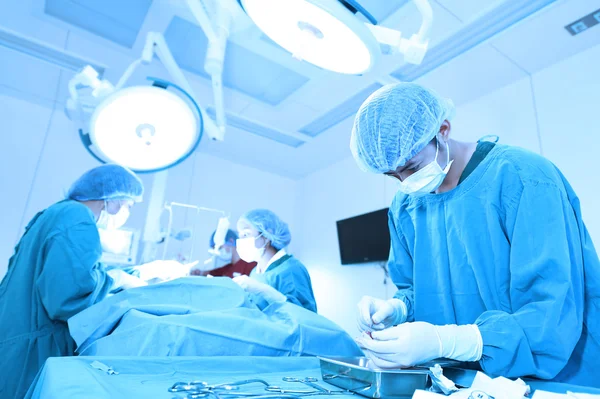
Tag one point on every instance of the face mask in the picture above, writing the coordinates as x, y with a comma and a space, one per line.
103, 219
224, 255
112, 222
427, 179
222, 258
246, 248
219, 262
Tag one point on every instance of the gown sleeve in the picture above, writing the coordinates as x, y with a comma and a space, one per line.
400, 265
293, 281
546, 288
72, 279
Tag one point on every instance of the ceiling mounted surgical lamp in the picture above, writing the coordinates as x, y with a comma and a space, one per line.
328, 34
145, 128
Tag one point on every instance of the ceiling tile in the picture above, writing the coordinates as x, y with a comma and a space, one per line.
545, 34
115, 20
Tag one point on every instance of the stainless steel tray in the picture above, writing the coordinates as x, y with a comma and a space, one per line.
353, 374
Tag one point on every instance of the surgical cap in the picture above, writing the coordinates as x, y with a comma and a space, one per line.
230, 238
270, 226
395, 123
107, 182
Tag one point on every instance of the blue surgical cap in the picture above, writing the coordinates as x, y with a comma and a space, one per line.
395, 123
230, 238
107, 182
270, 226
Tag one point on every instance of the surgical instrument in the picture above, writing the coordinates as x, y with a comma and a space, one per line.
311, 382
201, 389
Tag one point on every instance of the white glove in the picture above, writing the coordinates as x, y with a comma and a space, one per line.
164, 270
410, 344
379, 314
254, 286
202, 269
124, 280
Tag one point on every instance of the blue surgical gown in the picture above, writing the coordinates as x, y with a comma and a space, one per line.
53, 274
288, 276
507, 250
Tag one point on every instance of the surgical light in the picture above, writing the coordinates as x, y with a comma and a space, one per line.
146, 128
327, 36
326, 33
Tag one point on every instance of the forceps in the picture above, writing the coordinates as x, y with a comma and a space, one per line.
201, 389
200, 386
311, 382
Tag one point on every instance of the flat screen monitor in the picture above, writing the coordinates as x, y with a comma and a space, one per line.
364, 238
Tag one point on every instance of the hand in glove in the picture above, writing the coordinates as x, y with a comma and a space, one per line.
254, 286
164, 270
379, 314
122, 280
410, 344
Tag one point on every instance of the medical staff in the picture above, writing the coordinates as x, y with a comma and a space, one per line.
491, 257
278, 276
54, 273
226, 261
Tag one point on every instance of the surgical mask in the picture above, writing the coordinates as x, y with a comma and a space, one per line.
427, 179
246, 248
222, 258
218, 259
224, 255
112, 222
219, 262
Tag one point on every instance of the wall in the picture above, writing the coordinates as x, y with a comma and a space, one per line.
564, 102
567, 103
22, 143
339, 192
42, 155
211, 182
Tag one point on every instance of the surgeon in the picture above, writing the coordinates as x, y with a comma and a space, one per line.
226, 261
278, 276
55, 273
489, 252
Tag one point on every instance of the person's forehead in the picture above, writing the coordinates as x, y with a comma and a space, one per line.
122, 202
410, 162
244, 226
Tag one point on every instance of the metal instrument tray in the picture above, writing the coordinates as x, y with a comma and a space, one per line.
353, 374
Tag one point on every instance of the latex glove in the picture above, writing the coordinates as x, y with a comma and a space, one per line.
254, 286
198, 272
410, 344
378, 314
124, 280
164, 270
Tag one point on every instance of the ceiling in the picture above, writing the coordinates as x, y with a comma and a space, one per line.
285, 116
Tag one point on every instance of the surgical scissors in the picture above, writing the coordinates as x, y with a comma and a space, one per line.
190, 386
201, 389
239, 395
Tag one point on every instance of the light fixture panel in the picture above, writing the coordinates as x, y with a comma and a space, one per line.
321, 32
144, 128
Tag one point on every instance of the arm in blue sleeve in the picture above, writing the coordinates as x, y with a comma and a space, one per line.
400, 265
72, 279
537, 337
295, 284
